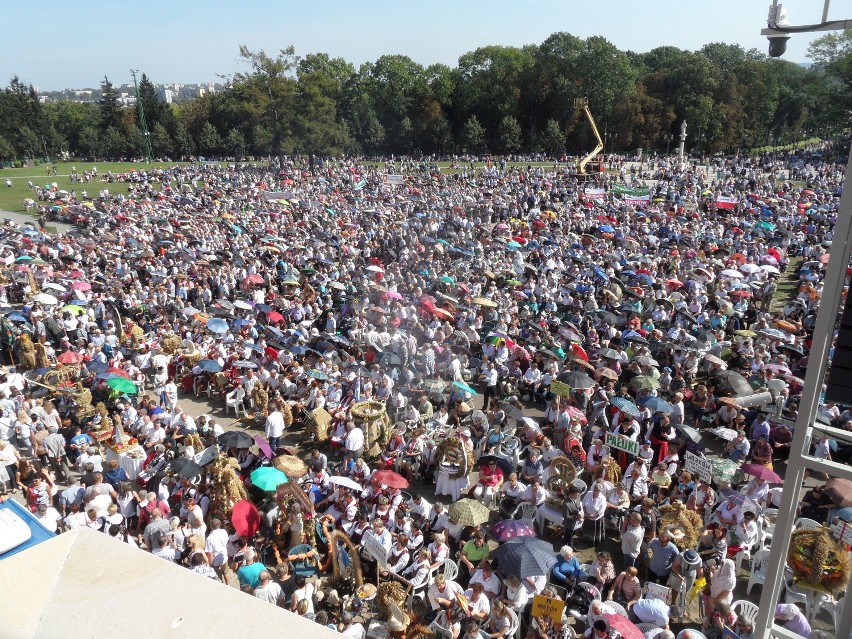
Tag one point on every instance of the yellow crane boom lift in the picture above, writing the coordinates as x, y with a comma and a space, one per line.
584, 103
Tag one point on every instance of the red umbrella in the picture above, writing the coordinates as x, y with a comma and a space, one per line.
577, 351
761, 472
271, 352
274, 316
626, 628
245, 518
254, 278
442, 314
117, 371
389, 478
510, 529
81, 286
70, 357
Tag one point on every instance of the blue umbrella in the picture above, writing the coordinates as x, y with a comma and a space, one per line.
268, 478
317, 375
525, 557
239, 322
626, 406
210, 366
218, 326
606, 228
16, 317
277, 333
599, 272
96, 367
263, 308
658, 405
465, 388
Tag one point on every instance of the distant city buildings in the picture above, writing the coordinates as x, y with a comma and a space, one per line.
169, 93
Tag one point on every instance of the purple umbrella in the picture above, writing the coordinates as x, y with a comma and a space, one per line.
264, 447
510, 529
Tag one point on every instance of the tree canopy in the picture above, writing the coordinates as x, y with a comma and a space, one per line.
497, 99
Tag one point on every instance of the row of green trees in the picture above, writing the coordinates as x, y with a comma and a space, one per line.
497, 99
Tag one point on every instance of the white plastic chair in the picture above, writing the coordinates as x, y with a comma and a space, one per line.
795, 595
831, 605
803, 523
593, 592
450, 569
740, 557
617, 607
516, 623
421, 590
744, 607
527, 511
234, 400
759, 562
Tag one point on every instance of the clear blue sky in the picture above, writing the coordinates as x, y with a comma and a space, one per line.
58, 45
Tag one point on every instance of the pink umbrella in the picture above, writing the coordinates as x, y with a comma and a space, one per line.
393, 295
264, 447
81, 286
245, 518
510, 529
577, 413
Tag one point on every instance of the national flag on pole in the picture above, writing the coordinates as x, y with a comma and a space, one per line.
594, 194
726, 202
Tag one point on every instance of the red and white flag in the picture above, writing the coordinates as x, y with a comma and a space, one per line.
726, 202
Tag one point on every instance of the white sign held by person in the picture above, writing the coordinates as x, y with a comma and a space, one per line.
374, 548
699, 466
620, 442
397, 180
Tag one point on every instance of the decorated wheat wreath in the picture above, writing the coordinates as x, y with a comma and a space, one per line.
452, 452
685, 525
817, 559
562, 476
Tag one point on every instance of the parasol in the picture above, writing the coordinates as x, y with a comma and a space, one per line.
122, 385
626, 406
525, 557
69, 357
761, 472
210, 366
184, 467
468, 512
577, 380
235, 439
345, 482
465, 388
245, 518
267, 478
511, 529
264, 447
389, 478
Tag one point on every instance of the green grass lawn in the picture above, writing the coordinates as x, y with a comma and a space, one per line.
12, 199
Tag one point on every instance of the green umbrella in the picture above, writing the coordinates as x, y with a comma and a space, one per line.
446, 279
513, 282
268, 478
74, 309
122, 385
465, 388
645, 381
468, 512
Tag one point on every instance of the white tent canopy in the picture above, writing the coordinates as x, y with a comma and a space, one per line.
86, 584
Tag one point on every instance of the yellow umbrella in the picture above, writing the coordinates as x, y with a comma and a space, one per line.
484, 301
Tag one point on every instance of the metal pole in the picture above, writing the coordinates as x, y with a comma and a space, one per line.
682, 142
823, 334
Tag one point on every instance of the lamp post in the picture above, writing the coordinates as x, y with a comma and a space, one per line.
682, 142
668, 138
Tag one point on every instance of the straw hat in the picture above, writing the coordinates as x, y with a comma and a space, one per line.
398, 621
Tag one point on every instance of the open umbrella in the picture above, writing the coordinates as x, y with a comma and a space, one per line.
235, 439
839, 491
510, 529
242, 363
346, 483
69, 357
317, 375
184, 467
465, 388
264, 447
577, 380
658, 405
525, 557
623, 626
46, 299
608, 373
290, 465
468, 512
761, 472
506, 465
484, 301
122, 385
210, 366
693, 434
245, 518
389, 478
217, 325
626, 406
732, 381
610, 353
267, 478
645, 381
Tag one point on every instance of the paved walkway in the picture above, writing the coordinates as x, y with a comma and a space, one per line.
22, 218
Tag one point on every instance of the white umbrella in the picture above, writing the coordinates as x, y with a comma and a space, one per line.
768, 268
345, 482
374, 269
749, 268
243, 305
55, 286
46, 299
731, 273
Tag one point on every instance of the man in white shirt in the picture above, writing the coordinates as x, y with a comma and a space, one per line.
275, 426
419, 506
216, 547
354, 441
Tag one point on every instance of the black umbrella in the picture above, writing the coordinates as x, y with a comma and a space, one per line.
235, 439
505, 464
687, 316
734, 382
692, 434
635, 338
792, 348
525, 557
184, 467
620, 283
576, 379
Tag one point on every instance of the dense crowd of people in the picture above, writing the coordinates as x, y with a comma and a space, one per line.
507, 315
